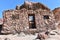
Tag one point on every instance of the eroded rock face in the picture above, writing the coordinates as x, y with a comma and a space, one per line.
16, 21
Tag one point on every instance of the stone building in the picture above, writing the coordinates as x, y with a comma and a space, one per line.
29, 17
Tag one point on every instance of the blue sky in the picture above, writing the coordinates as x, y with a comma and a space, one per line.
11, 4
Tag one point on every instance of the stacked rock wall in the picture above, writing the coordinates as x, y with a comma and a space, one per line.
56, 12
16, 21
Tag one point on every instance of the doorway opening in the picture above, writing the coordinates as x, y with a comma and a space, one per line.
31, 18
0, 28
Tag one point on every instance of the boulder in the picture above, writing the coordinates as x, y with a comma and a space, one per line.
42, 36
6, 39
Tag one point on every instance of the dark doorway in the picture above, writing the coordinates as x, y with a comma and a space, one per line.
0, 28
31, 18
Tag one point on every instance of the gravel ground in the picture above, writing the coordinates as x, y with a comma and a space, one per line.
17, 37
22, 36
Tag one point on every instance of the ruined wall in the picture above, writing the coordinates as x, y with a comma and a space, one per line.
13, 21
20, 22
56, 12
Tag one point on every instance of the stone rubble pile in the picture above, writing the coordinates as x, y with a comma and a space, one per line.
51, 35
